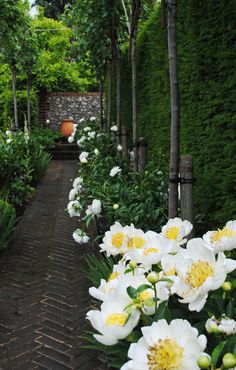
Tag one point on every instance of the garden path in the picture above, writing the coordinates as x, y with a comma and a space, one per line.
43, 295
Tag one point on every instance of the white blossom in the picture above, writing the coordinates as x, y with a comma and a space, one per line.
115, 170
80, 236
114, 128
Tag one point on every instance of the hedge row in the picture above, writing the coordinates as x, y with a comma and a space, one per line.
206, 51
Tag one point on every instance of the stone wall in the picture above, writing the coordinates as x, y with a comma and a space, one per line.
57, 106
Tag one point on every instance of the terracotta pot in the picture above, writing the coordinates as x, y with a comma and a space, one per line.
67, 127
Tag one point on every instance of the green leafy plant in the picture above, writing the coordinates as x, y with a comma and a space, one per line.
7, 222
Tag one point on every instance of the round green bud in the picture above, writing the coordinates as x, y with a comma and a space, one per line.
153, 277
226, 286
116, 206
204, 361
229, 360
132, 265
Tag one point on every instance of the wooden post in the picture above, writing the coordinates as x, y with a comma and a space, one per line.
186, 188
142, 154
124, 142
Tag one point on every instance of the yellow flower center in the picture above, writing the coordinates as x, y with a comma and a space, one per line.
225, 232
166, 354
144, 296
113, 276
172, 232
198, 273
150, 250
171, 272
116, 319
136, 242
117, 240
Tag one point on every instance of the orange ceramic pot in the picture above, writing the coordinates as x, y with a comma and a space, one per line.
67, 127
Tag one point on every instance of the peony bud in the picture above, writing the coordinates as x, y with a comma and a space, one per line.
226, 286
132, 265
204, 361
229, 360
153, 277
116, 206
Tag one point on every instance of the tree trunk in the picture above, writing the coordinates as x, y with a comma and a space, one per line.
28, 102
109, 96
118, 95
175, 115
101, 102
134, 26
134, 99
13, 72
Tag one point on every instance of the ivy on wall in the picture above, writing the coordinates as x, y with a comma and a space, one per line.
206, 36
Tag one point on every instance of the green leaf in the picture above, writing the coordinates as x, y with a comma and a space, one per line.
142, 288
217, 352
132, 292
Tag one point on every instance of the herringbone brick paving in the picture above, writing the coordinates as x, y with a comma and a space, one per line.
43, 295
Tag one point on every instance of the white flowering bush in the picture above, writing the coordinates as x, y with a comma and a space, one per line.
108, 184
166, 302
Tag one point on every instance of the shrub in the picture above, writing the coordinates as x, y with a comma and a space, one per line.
7, 222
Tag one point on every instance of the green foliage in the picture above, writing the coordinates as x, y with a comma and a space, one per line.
7, 222
53, 8
22, 162
57, 69
206, 34
7, 108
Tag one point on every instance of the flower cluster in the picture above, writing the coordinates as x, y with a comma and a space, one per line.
154, 270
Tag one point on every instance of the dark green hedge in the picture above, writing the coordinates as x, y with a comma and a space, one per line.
206, 35
7, 108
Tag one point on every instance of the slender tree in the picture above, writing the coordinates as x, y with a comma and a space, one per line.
28, 59
13, 19
175, 109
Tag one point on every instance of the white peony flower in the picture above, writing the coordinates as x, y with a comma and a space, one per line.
114, 128
87, 128
81, 141
112, 321
224, 325
96, 151
81, 120
77, 182
71, 139
119, 148
80, 236
8, 141
91, 134
162, 347
176, 230
95, 208
115, 170
92, 119
73, 194
115, 206
74, 208
8, 133
135, 239
152, 250
83, 155
114, 240
83, 160
222, 239
198, 272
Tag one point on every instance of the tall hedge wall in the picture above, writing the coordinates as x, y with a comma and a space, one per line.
206, 36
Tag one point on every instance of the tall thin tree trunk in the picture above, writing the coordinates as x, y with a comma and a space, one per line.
134, 98
175, 110
28, 102
101, 102
109, 95
118, 93
13, 72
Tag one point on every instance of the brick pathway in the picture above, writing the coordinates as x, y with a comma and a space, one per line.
43, 295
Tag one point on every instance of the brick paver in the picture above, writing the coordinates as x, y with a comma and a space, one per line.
43, 295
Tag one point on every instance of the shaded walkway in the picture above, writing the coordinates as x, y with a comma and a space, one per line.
43, 296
